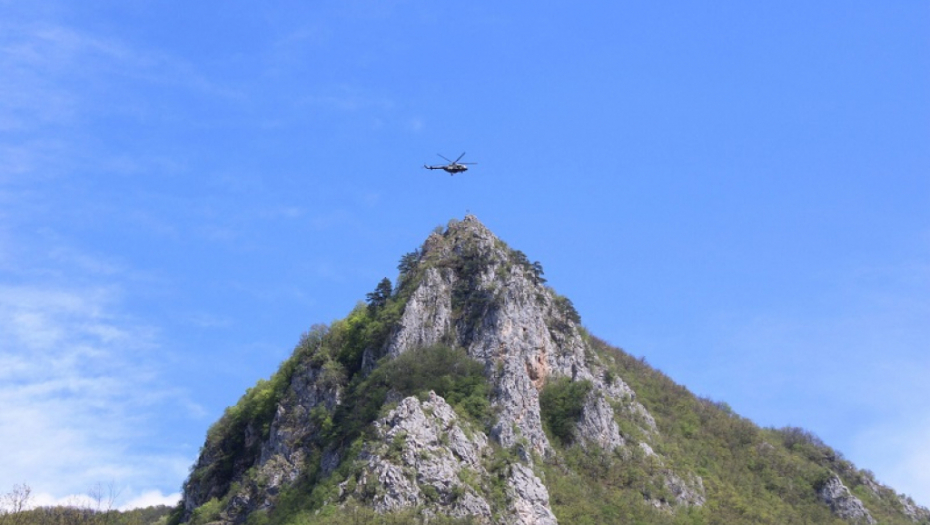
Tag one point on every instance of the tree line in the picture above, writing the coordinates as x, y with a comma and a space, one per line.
97, 508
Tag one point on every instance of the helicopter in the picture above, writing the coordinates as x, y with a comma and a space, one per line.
453, 167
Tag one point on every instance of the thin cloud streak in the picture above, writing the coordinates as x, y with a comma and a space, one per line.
77, 380
58, 79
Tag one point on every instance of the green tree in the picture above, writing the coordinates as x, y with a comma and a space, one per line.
538, 272
561, 403
408, 261
382, 293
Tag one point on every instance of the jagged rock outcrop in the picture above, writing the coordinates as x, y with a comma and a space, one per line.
315, 426
470, 291
423, 455
517, 327
688, 492
280, 457
426, 455
843, 503
427, 315
597, 425
914, 512
530, 497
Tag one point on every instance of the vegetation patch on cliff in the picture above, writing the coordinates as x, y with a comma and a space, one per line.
448, 372
561, 403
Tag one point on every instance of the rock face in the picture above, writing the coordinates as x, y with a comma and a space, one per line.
507, 319
274, 462
313, 425
425, 455
843, 503
914, 512
474, 295
422, 455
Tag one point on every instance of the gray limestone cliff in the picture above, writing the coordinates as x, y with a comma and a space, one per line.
334, 428
477, 294
835, 494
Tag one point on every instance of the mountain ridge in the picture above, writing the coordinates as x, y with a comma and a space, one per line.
515, 408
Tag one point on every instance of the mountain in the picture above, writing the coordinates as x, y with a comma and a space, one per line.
471, 393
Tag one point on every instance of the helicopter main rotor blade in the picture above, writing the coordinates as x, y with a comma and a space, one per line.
450, 161
460, 157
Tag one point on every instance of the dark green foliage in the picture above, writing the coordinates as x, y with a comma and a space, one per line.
380, 296
364, 328
520, 258
449, 373
537, 269
470, 301
792, 436
609, 377
560, 403
805, 443
566, 308
408, 262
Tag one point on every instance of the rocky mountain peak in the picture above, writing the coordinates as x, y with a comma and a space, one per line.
472, 291
467, 390
460, 236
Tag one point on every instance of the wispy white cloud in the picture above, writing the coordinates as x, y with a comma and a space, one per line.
59, 80
332, 219
290, 49
55, 72
350, 99
40, 64
106, 497
77, 383
416, 124
36, 158
207, 320
283, 211
151, 498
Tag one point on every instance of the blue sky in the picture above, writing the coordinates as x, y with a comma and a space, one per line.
738, 192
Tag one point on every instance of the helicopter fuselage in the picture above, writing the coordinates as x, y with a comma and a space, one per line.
453, 167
